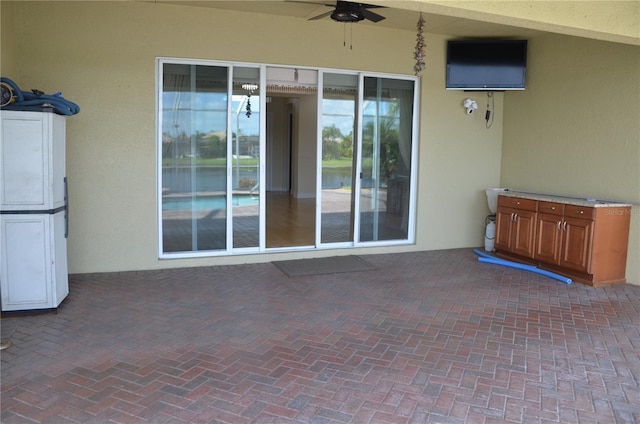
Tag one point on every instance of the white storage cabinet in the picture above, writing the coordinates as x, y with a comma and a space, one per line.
33, 211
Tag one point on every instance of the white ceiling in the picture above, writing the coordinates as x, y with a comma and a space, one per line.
395, 18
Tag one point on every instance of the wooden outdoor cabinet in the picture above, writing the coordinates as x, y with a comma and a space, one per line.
586, 241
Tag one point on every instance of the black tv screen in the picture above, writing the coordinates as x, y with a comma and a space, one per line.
486, 65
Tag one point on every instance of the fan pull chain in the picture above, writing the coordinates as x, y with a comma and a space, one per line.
344, 35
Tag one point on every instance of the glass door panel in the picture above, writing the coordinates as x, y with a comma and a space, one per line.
245, 158
339, 108
387, 126
194, 176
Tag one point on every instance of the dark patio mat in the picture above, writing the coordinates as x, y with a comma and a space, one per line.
316, 266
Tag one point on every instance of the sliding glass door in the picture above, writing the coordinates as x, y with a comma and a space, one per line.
210, 157
338, 147
386, 159
338, 172
245, 159
194, 157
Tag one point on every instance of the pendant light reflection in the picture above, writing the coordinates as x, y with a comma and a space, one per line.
250, 88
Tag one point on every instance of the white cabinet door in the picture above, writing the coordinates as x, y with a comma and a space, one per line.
32, 161
25, 252
33, 261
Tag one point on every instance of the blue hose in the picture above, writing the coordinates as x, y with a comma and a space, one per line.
485, 258
27, 99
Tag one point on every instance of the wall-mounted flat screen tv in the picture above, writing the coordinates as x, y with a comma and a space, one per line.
486, 65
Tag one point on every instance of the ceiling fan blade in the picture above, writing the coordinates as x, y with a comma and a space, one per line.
371, 6
324, 15
373, 17
309, 2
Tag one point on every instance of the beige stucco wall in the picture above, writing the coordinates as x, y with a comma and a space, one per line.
8, 54
102, 56
576, 129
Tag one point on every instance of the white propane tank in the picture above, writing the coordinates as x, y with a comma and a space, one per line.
489, 236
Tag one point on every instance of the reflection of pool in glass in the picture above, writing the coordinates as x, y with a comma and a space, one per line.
207, 202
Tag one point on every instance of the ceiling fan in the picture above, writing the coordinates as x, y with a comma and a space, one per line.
346, 11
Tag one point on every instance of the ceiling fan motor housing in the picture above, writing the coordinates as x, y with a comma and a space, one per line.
347, 12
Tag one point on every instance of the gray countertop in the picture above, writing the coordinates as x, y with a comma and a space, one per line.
595, 203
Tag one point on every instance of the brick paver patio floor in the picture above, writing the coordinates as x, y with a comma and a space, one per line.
427, 337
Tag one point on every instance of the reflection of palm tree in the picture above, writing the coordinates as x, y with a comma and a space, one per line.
331, 138
387, 132
346, 146
216, 149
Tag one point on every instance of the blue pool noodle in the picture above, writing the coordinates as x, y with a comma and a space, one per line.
485, 258
484, 255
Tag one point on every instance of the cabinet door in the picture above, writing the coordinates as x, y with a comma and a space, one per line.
24, 162
549, 238
523, 233
26, 255
33, 261
577, 242
32, 160
503, 229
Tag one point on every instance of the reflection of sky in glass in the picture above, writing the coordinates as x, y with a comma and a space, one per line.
208, 113
385, 106
339, 113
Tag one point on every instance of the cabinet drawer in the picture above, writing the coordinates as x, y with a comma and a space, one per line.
550, 208
517, 203
582, 212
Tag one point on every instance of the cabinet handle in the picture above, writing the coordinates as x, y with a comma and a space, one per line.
515, 202
578, 211
564, 226
559, 225
515, 217
66, 209
553, 208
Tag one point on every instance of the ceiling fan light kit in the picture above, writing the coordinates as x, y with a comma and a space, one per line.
346, 11
345, 16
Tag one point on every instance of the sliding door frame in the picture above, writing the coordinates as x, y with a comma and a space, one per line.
357, 146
